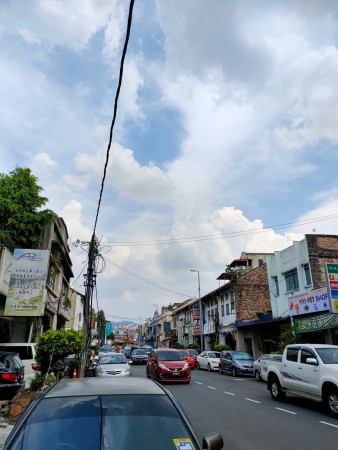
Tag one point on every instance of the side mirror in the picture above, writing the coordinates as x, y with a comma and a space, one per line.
311, 361
212, 441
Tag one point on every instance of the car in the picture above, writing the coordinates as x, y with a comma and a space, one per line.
26, 352
168, 365
208, 360
139, 356
190, 360
194, 352
105, 349
112, 365
236, 363
12, 375
260, 365
101, 413
126, 351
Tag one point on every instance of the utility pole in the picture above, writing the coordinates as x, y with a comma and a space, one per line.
90, 282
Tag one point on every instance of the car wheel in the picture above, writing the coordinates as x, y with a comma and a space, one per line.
220, 369
234, 372
276, 390
209, 367
198, 365
257, 375
331, 401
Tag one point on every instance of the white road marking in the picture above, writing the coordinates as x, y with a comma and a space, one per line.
327, 423
285, 410
197, 382
210, 387
229, 393
250, 400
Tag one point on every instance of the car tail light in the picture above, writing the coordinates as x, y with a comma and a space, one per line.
9, 377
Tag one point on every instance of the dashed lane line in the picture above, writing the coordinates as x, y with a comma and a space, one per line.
287, 411
210, 387
329, 424
229, 393
251, 400
197, 382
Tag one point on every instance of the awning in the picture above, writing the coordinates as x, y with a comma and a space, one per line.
316, 322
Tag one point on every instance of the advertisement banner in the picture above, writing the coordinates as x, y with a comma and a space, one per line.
331, 275
27, 286
6, 259
109, 328
309, 302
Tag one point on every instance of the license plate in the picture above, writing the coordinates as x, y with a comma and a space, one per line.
175, 374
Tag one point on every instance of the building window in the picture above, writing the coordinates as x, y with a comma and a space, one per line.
291, 280
307, 274
227, 309
276, 285
222, 305
260, 262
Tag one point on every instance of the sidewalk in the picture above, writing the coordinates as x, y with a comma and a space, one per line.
5, 429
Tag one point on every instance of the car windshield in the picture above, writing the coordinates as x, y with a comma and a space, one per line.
113, 359
328, 355
214, 354
193, 351
184, 353
170, 356
140, 351
105, 349
244, 356
139, 422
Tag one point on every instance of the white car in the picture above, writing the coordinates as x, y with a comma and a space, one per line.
208, 360
260, 365
112, 365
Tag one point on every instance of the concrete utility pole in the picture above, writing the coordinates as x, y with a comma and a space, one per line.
90, 282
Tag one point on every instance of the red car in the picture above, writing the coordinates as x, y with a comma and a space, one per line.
189, 358
168, 365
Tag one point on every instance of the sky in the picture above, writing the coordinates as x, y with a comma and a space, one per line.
225, 137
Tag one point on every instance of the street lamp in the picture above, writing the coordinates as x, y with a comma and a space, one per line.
200, 305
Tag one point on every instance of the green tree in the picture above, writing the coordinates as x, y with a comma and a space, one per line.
101, 326
21, 217
57, 344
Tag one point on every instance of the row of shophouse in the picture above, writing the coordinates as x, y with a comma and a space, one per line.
259, 296
41, 297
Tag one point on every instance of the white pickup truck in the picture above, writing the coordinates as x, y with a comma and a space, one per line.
306, 370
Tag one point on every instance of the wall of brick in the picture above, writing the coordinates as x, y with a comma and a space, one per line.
252, 294
322, 249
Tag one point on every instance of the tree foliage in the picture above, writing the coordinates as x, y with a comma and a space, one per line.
57, 344
21, 217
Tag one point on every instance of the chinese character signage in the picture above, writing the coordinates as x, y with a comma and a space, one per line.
331, 274
309, 302
26, 292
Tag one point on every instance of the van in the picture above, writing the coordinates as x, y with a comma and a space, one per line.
27, 354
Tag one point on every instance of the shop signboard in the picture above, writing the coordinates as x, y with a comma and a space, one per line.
331, 275
309, 302
27, 286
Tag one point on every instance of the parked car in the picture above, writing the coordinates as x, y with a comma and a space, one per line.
168, 365
260, 365
112, 365
124, 414
139, 356
236, 363
12, 375
208, 360
26, 352
190, 360
194, 352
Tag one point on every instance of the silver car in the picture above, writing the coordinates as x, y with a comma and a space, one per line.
260, 365
112, 365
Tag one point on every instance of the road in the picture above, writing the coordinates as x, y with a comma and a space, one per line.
242, 411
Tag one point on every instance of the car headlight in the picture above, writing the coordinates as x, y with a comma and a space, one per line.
163, 367
186, 366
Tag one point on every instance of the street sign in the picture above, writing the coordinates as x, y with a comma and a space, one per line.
331, 275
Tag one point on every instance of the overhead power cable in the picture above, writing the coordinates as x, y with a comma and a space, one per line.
210, 237
130, 15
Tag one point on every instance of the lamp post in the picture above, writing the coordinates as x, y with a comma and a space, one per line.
200, 306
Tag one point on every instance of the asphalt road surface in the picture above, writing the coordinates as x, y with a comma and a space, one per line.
242, 411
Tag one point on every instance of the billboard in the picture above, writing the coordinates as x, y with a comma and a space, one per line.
331, 275
6, 258
309, 302
27, 286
